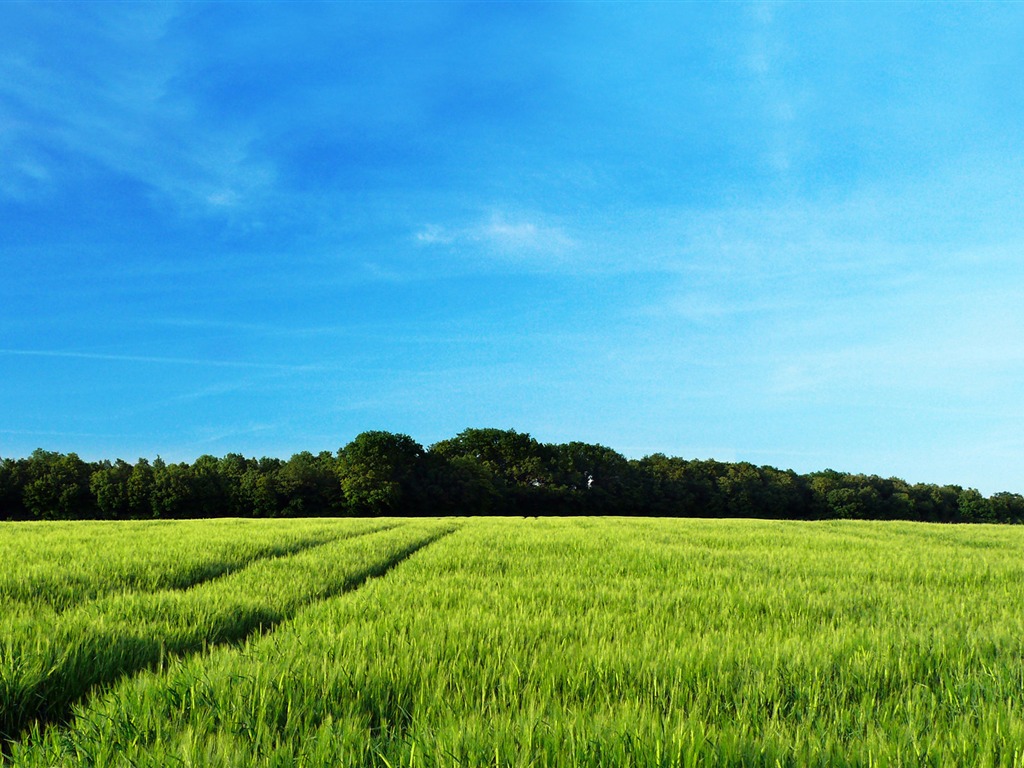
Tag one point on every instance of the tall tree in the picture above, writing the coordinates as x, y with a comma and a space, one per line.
11, 486
308, 485
380, 473
595, 479
173, 493
513, 457
109, 486
258, 493
57, 486
139, 489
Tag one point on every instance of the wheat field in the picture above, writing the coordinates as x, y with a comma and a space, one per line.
512, 642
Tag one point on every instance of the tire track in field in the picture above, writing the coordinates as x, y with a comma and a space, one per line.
272, 554
222, 569
81, 670
201, 574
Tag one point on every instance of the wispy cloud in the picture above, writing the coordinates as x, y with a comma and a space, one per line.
773, 94
911, 348
189, 398
157, 360
57, 433
214, 436
114, 108
524, 239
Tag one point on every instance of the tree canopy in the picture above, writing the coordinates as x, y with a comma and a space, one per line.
477, 472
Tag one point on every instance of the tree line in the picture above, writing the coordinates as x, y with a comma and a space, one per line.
477, 472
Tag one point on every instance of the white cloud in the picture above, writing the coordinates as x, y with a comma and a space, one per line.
433, 234
522, 235
523, 240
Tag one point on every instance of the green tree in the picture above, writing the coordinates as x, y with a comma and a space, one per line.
595, 479
258, 493
513, 457
173, 493
210, 493
11, 486
459, 486
786, 495
109, 486
308, 485
1006, 508
57, 486
667, 490
933, 503
379, 473
231, 469
139, 489
972, 507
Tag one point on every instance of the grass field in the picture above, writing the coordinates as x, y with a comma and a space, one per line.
512, 642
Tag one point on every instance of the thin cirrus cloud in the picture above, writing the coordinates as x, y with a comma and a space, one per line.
120, 112
156, 360
523, 239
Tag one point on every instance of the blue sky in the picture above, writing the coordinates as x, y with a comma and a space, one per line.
789, 233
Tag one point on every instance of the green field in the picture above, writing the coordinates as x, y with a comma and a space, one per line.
518, 642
